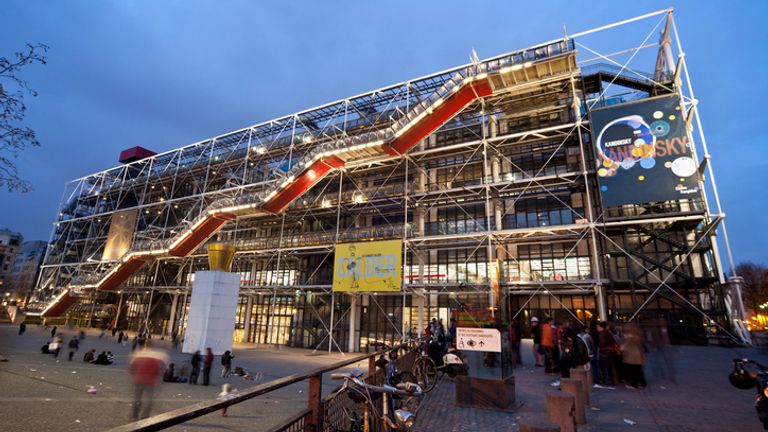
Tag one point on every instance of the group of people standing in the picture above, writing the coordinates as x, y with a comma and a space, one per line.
613, 354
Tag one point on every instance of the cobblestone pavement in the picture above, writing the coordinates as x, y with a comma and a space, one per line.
40, 394
700, 399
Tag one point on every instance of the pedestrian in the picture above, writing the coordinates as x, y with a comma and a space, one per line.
22, 328
120, 337
573, 354
207, 364
89, 356
223, 396
114, 331
53, 331
134, 343
146, 367
452, 332
536, 336
195, 363
73, 345
633, 356
175, 339
607, 350
226, 364
548, 345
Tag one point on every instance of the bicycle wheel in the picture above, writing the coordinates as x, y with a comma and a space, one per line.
426, 373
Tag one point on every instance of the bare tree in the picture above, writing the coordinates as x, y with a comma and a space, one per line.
755, 290
14, 136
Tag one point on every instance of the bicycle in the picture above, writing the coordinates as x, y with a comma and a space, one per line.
432, 359
366, 394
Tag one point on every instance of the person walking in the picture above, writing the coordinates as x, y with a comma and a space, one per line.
223, 396
207, 365
536, 336
120, 337
633, 356
53, 331
73, 346
22, 328
146, 368
548, 343
195, 363
226, 364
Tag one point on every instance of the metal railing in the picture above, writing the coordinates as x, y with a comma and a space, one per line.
311, 419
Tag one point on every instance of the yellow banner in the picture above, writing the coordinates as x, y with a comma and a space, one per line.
368, 267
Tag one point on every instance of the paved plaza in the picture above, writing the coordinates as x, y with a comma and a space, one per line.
41, 394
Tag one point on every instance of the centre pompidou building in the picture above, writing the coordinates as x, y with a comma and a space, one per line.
558, 180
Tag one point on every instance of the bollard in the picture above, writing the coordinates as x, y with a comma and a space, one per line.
538, 426
575, 388
560, 407
584, 376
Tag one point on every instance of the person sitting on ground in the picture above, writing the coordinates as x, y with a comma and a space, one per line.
110, 357
102, 359
89, 356
170, 374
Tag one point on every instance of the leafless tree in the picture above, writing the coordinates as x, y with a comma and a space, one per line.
755, 290
14, 136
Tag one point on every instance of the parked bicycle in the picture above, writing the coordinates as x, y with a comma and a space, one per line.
434, 358
390, 417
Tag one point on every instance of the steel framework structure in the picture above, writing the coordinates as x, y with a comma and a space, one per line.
484, 171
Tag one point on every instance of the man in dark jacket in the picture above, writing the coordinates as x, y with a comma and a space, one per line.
207, 364
226, 363
195, 363
536, 335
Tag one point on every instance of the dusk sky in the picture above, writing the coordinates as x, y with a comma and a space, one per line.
163, 74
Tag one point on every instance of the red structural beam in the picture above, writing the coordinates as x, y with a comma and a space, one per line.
122, 273
430, 123
62, 304
316, 171
201, 233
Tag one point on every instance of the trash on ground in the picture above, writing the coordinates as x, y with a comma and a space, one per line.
630, 422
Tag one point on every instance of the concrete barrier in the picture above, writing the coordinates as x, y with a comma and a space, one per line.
560, 408
576, 388
585, 376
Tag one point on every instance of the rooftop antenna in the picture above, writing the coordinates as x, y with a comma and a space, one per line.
565, 32
473, 58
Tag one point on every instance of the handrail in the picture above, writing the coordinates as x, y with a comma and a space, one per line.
181, 415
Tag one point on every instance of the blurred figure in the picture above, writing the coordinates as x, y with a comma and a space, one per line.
74, 345
222, 396
661, 359
89, 356
22, 328
207, 365
184, 372
607, 351
536, 336
120, 337
513, 333
226, 363
146, 367
583, 333
632, 357
575, 352
53, 331
195, 363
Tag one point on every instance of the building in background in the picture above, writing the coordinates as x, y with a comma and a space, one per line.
23, 279
561, 180
10, 244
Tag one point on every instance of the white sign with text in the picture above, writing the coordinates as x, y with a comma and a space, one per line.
478, 339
